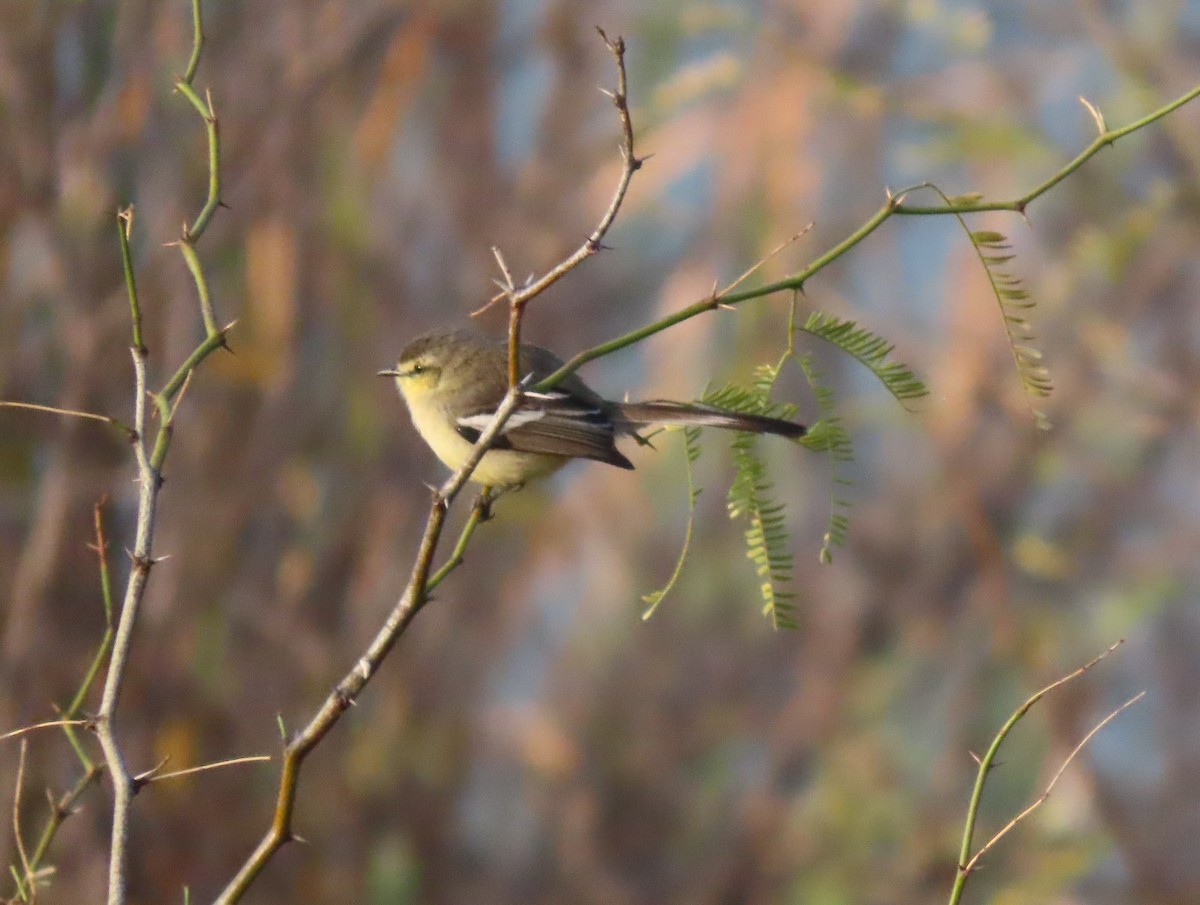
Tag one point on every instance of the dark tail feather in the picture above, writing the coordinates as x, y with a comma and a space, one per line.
638, 414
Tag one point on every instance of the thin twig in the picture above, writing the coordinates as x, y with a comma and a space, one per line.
101, 655
1037, 802
59, 811
480, 512
70, 413
155, 776
123, 788
988, 761
26, 870
49, 724
594, 243
758, 265
516, 309
124, 228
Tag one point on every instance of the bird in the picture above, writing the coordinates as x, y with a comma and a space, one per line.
453, 380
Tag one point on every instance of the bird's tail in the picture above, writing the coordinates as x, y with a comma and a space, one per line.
657, 411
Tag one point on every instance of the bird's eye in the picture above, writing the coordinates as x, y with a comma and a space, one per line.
417, 369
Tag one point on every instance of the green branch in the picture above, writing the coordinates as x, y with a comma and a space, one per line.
893, 206
64, 806
968, 856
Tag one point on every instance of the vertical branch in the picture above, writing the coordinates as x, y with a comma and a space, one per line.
191, 234
26, 878
101, 548
124, 228
149, 482
150, 457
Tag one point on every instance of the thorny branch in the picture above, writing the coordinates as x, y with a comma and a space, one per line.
594, 243
150, 458
895, 205
968, 862
421, 581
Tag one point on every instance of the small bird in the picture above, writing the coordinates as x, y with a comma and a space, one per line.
453, 381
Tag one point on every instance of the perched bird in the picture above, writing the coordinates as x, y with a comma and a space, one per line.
453, 381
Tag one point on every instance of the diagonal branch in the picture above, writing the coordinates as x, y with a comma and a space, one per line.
416, 594
894, 205
422, 581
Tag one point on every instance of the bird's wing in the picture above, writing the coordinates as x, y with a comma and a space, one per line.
556, 423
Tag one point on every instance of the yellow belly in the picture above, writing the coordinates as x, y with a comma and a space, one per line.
498, 467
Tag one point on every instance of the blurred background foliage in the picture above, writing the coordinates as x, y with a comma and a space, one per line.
531, 739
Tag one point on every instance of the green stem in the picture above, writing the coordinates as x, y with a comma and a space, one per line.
988, 761
124, 227
197, 44
895, 205
193, 264
985, 766
167, 393
62, 809
480, 512
1100, 141
213, 200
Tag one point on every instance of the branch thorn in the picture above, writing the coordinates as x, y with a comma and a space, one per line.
1097, 116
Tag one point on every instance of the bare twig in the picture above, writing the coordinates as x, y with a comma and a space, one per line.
631, 163
155, 776
70, 413
507, 287
60, 810
758, 265
1037, 802
101, 655
26, 869
49, 724
122, 781
968, 862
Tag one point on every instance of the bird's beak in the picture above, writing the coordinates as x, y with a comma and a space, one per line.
389, 373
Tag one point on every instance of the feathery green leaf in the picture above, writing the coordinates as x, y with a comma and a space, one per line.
994, 253
871, 350
750, 496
